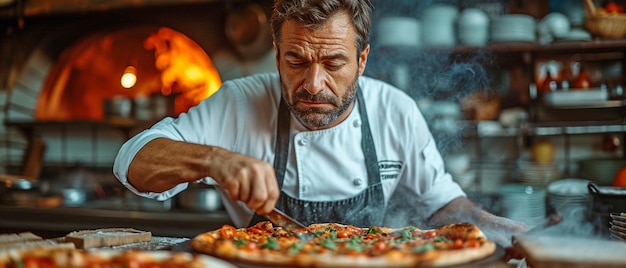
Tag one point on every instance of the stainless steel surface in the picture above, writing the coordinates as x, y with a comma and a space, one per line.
200, 198
288, 223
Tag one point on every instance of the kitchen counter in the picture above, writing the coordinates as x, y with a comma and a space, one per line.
178, 244
59, 221
172, 228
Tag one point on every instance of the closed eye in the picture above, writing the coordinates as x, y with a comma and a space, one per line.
297, 64
334, 66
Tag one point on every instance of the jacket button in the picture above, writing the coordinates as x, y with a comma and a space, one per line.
303, 142
356, 123
357, 182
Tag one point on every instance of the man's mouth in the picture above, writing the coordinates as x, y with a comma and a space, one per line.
313, 104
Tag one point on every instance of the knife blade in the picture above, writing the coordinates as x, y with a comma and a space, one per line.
289, 224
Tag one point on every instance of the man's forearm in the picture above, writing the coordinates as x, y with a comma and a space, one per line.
459, 209
163, 163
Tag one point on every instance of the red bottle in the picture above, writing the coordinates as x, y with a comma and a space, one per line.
549, 83
582, 81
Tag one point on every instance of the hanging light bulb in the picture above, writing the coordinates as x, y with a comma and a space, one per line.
129, 77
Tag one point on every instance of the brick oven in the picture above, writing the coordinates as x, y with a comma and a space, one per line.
77, 78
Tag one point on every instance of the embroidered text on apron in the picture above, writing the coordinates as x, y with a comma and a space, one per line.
365, 209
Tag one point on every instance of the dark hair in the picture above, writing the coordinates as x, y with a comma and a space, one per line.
313, 13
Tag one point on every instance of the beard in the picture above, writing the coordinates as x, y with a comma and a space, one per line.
319, 117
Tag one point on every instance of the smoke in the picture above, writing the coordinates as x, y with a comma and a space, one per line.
575, 223
434, 74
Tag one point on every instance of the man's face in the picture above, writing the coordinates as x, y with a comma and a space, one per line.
319, 71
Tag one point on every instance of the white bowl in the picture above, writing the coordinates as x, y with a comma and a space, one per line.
557, 24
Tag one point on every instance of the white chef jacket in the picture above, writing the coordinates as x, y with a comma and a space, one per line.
323, 165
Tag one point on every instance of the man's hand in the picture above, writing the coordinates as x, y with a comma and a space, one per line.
498, 229
247, 179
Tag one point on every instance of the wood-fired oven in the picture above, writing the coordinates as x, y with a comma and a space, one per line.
79, 77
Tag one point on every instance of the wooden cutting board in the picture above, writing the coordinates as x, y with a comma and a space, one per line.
555, 252
107, 237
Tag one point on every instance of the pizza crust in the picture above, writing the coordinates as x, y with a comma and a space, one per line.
326, 260
463, 256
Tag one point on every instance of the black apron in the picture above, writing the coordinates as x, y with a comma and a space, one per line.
365, 209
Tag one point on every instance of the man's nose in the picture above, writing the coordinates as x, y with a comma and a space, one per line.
315, 79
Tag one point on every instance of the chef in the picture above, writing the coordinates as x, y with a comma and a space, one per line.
317, 139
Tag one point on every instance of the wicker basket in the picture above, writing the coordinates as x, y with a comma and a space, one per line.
604, 24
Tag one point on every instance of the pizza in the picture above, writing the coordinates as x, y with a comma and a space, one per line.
338, 245
76, 258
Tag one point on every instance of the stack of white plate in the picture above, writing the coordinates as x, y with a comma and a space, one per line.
569, 197
534, 173
525, 203
399, 32
438, 25
513, 28
617, 228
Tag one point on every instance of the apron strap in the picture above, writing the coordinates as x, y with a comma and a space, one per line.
367, 143
281, 149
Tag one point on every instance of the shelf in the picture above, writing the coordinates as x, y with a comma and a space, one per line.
595, 45
574, 128
110, 122
125, 125
592, 105
472, 128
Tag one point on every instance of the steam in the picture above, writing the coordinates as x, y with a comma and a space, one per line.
433, 74
576, 223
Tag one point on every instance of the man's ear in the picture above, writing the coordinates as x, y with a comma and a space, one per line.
275, 47
363, 59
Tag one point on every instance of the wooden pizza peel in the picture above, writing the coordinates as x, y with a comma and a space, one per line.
570, 251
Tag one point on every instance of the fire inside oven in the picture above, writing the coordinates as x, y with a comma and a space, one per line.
144, 72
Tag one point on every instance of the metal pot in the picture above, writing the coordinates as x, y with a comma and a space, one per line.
607, 199
200, 198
